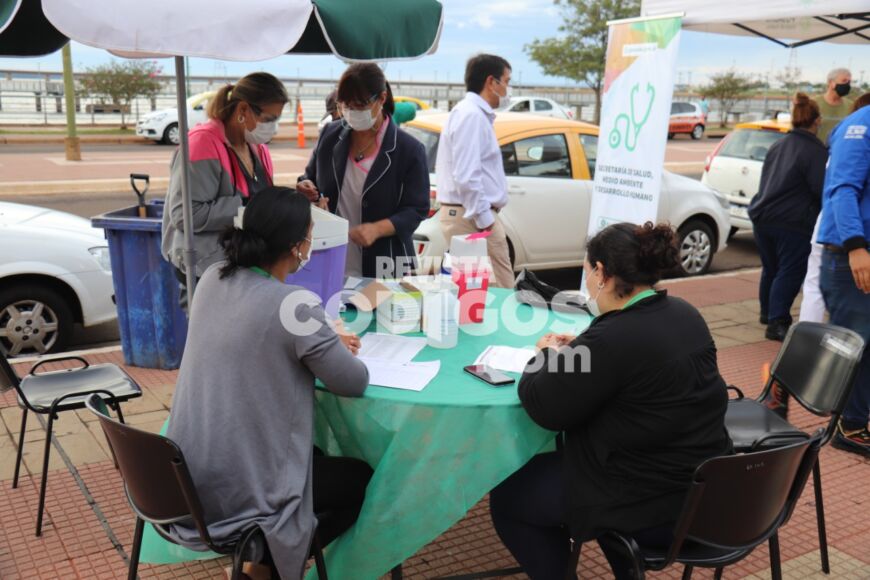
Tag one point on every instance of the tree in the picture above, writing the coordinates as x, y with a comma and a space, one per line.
579, 52
727, 88
790, 77
121, 83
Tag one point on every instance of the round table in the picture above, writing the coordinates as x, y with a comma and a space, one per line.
435, 453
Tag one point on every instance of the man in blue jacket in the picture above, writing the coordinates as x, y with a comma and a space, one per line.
845, 277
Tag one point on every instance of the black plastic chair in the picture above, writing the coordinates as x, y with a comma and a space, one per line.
734, 504
50, 393
817, 365
161, 491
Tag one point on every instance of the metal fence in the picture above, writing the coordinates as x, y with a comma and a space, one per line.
37, 99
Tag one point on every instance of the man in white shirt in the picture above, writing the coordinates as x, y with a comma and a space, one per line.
471, 184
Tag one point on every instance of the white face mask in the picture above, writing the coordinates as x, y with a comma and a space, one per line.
359, 120
306, 259
592, 303
504, 100
262, 133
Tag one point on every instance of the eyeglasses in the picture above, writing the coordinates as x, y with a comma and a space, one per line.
259, 112
360, 106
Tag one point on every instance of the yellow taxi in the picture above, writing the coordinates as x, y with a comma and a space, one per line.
418, 104
734, 167
550, 164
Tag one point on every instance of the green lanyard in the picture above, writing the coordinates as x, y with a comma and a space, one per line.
638, 298
260, 272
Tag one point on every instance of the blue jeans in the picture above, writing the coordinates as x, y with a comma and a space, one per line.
850, 308
784, 255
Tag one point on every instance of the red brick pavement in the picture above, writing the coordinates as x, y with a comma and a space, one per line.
76, 544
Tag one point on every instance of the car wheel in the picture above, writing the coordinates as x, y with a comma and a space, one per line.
671, 135
170, 134
697, 132
696, 248
33, 320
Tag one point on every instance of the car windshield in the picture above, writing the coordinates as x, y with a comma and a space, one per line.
429, 139
750, 144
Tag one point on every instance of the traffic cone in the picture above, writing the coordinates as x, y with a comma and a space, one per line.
300, 126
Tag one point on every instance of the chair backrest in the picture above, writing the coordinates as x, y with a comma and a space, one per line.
738, 501
817, 364
158, 484
8, 378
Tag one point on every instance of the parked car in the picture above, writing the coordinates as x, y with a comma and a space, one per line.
734, 167
540, 106
162, 125
54, 272
687, 118
550, 164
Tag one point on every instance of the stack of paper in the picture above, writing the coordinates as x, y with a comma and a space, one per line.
506, 358
388, 359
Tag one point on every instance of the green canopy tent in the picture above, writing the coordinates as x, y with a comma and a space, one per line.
375, 30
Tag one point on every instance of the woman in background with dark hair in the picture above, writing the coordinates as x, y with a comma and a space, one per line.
244, 401
784, 213
371, 173
229, 163
644, 411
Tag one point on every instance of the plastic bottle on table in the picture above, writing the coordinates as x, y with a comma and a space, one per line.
441, 311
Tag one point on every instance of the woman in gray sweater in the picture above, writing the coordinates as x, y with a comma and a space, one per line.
244, 403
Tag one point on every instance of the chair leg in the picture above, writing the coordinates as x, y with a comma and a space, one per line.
396, 573
717, 575
775, 568
319, 562
20, 448
820, 518
687, 572
134, 551
45, 456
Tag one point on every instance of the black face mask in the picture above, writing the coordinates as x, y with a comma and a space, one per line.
843, 89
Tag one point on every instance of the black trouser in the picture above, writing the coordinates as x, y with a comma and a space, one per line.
784, 254
530, 515
182, 290
339, 490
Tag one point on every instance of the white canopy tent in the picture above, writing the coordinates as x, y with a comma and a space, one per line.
789, 23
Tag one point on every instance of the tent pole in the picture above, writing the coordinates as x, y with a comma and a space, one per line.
187, 208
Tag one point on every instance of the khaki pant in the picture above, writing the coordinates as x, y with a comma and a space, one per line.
453, 224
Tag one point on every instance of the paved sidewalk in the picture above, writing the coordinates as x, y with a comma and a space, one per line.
89, 525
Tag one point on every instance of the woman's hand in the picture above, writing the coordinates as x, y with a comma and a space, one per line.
350, 340
323, 203
308, 189
364, 235
554, 341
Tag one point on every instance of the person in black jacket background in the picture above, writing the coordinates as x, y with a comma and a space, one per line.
647, 410
784, 212
371, 173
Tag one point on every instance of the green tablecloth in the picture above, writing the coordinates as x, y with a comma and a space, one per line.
435, 453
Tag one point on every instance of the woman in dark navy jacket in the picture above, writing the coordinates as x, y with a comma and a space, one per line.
371, 173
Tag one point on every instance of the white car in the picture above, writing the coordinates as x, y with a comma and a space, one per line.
550, 164
54, 272
162, 126
734, 167
539, 106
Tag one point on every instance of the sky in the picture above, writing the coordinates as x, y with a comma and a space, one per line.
504, 27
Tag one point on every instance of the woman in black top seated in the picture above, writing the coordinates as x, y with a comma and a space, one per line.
641, 402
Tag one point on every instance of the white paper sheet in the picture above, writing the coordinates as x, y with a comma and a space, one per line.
396, 349
506, 358
408, 376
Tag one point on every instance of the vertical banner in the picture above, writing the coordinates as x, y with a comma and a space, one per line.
635, 112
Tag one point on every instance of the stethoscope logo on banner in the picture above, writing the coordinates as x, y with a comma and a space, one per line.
631, 126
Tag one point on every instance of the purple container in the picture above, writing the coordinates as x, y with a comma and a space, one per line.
323, 275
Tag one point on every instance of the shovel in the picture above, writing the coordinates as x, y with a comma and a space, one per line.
140, 195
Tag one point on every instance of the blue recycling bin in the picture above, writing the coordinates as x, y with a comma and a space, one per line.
152, 325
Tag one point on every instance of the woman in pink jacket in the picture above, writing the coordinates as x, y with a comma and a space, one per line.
229, 163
